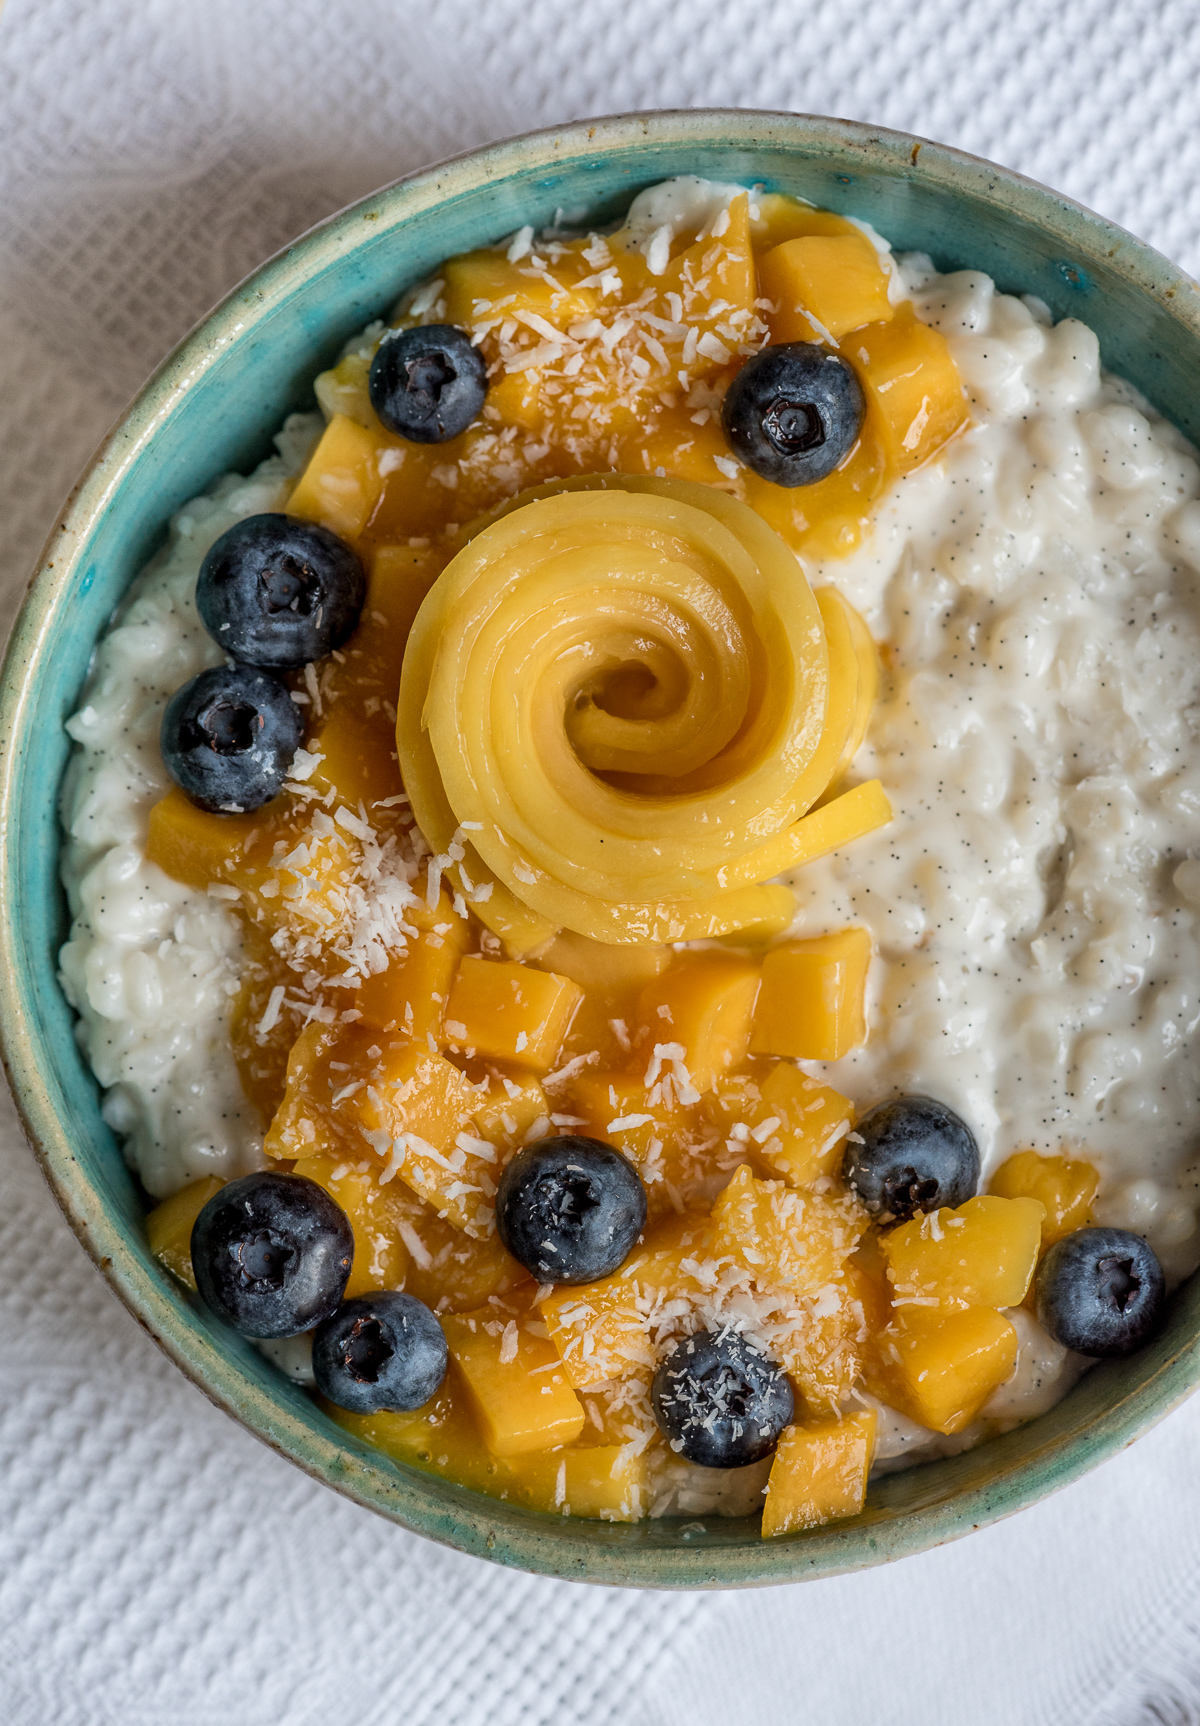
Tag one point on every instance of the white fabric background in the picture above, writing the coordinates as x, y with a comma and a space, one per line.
157, 1566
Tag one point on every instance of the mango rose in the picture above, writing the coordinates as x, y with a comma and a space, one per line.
618, 703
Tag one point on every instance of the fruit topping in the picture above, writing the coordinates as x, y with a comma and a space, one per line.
271, 1254
911, 1154
794, 412
1101, 1292
1064, 1186
277, 592
645, 688
228, 738
379, 1350
569, 1209
720, 1401
427, 384
820, 1472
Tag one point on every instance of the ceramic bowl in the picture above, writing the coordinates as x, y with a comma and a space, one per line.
212, 407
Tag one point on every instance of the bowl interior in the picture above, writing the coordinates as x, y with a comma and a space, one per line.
213, 407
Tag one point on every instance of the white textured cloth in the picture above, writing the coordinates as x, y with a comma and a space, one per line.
157, 1566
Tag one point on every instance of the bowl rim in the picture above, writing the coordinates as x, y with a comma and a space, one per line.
469, 1522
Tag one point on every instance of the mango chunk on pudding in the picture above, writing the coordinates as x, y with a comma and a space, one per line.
819, 1473
169, 1227
530, 1408
812, 997
1065, 1187
941, 1367
609, 962
982, 1254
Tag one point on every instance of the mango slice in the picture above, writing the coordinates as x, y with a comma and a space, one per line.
514, 704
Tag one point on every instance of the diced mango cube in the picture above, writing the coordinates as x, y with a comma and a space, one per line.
447, 1269
785, 1240
400, 577
303, 1124
510, 1109
516, 399
518, 1384
169, 1226
418, 1093
705, 1001
795, 1124
306, 886
380, 1261
912, 384
424, 1106
358, 758
347, 1097
657, 1135
1064, 1186
814, 1121
819, 1473
506, 1011
604, 1481
941, 1367
345, 389
197, 847
487, 276
812, 1004
341, 484
411, 995
782, 218
717, 281
603, 1330
442, 1437
982, 1254
836, 280
608, 1481
611, 978
823, 1352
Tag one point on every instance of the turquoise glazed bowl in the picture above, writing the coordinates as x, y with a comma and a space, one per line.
211, 408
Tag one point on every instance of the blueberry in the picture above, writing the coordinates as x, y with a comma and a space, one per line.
382, 1350
794, 412
569, 1208
1101, 1292
911, 1154
720, 1400
278, 592
228, 737
271, 1254
427, 384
